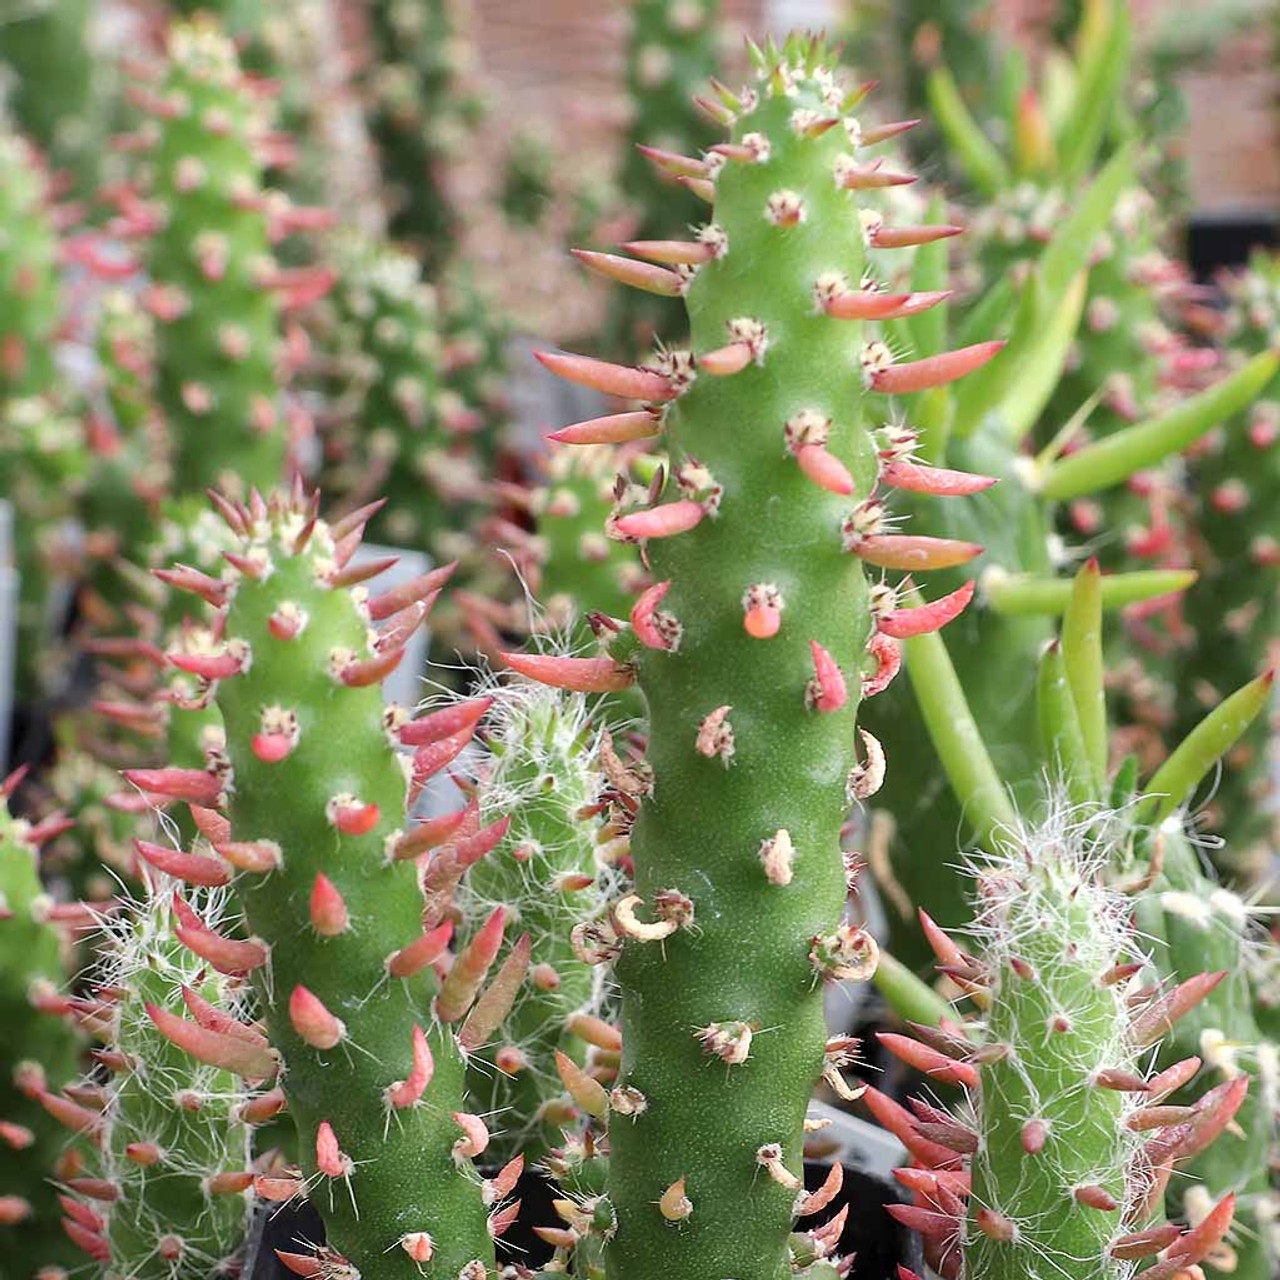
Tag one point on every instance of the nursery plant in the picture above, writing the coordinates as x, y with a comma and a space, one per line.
308, 813
752, 648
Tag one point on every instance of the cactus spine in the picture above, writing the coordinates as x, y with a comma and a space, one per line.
751, 649
316, 800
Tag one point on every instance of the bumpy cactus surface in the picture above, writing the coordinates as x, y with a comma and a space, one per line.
321, 853
173, 1146
1062, 1178
40, 1050
209, 257
751, 648
550, 871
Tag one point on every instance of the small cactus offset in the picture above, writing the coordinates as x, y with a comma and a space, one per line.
317, 843
550, 870
1071, 1143
165, 1195
40, 1050
209, 225
752, 647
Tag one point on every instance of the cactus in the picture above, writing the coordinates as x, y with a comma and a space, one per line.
214, 288
1061, 1177
751, 649
30, 292
40, 1049
542, 770
672, 51
317, 830
395, 428
164, 1197
419, 110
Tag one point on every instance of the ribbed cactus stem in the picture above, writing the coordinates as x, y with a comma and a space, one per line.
550, 870
173, 1144
321, 853
209, 256
751, 648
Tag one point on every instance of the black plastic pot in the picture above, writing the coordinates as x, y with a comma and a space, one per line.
878, 1242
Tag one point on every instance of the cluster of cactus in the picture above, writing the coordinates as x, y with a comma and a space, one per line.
432, 946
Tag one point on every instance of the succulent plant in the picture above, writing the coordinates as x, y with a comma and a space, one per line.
369, 1038
752, 648
1060, 1172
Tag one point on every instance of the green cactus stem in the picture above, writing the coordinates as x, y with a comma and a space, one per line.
166, 1195
40, 1054
1235, 616
317, 829
752, 648
550, 870
215, 284
1064, 1176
